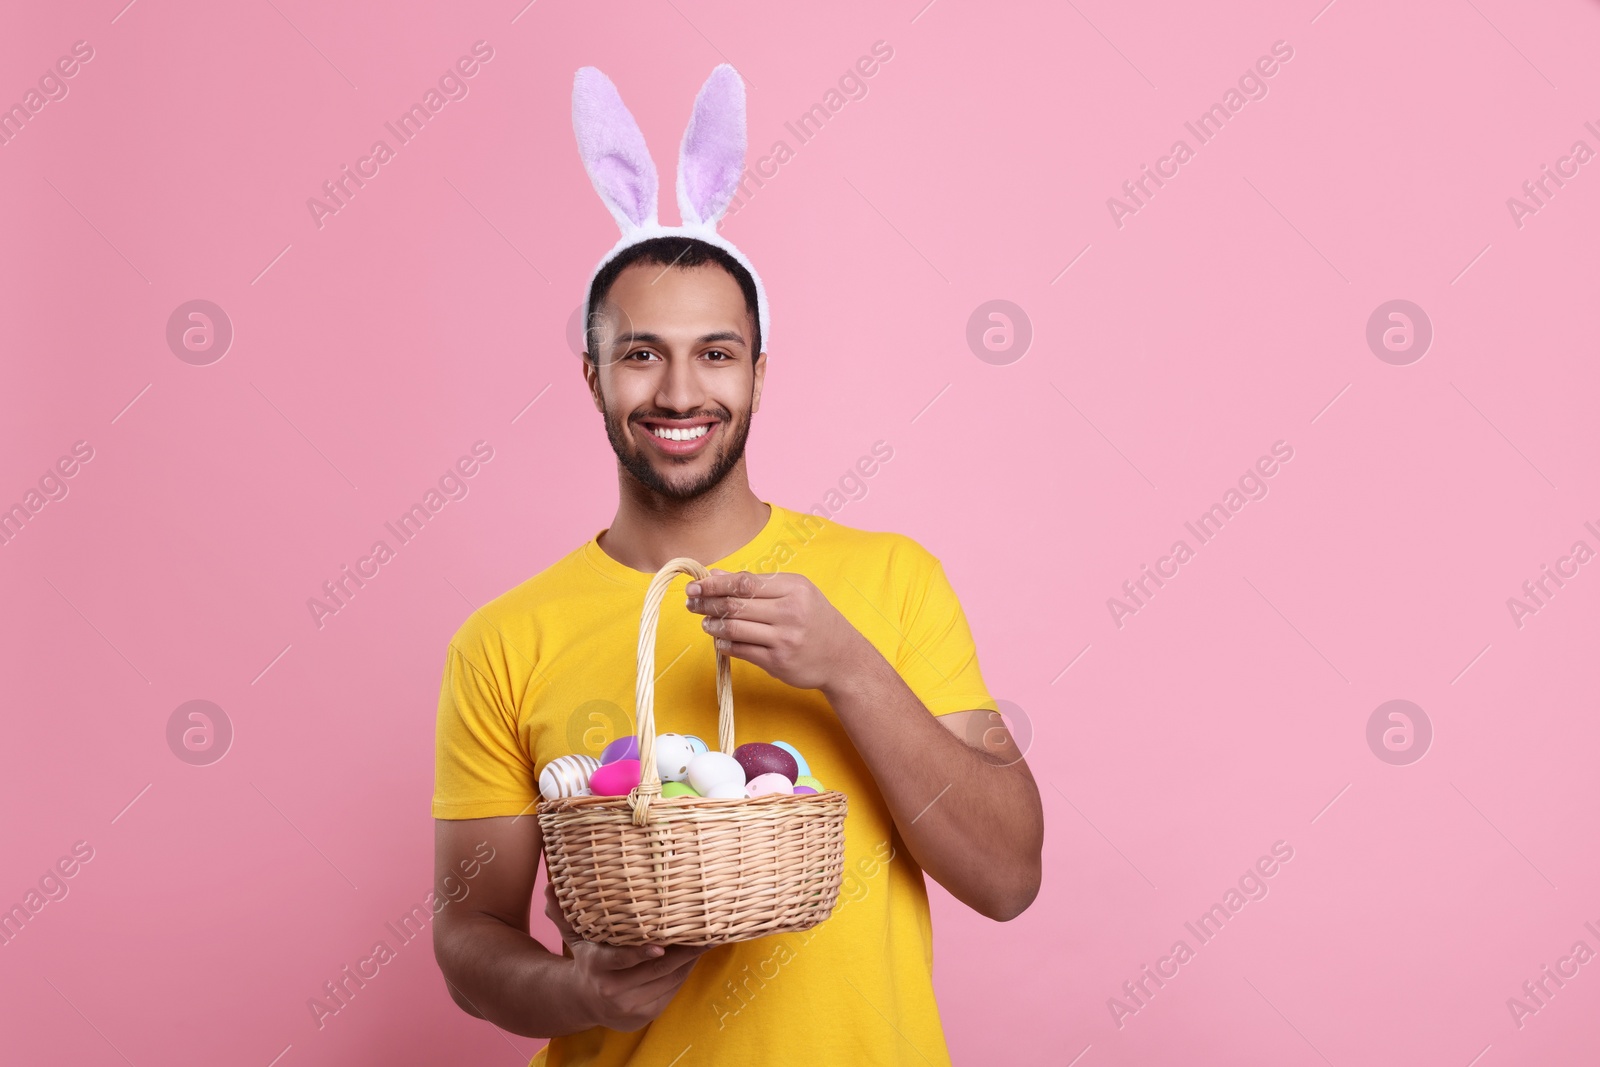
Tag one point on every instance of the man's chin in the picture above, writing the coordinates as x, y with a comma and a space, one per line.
676, 479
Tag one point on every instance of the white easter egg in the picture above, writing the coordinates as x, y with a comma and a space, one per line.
567, 776
729, 790
708, 769
673, 753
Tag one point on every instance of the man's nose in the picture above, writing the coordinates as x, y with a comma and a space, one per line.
680, 388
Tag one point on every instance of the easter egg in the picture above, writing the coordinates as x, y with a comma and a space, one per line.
708, 769
673, 753
622, 748
678, 789
758, 758
699, 745
771, 782
615, 779
729, 790
804, 789
805, 770
808, 780
567, 776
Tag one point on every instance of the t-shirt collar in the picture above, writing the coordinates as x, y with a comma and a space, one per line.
621, 572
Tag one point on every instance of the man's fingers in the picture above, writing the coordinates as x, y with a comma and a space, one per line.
620, 957
740, 583
734, 607
658, 991
743, 631
552, 911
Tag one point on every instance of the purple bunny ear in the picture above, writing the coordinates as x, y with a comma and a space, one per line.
711, 158
613, 150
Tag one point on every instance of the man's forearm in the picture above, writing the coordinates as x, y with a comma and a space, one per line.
501, 974
975, 825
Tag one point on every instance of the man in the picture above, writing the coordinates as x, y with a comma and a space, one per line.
850, 645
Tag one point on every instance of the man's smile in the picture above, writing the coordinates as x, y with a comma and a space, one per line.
680, 437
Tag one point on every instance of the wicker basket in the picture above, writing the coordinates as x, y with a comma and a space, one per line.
644, 869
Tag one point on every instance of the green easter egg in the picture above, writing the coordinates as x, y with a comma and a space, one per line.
677, 789
806, 779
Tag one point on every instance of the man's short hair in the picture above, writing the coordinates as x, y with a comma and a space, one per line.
670, 252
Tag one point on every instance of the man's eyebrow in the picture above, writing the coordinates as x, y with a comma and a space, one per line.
630, 336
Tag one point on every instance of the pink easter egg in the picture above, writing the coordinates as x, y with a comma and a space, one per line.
771, 782
615, 779
804, 789
622, 748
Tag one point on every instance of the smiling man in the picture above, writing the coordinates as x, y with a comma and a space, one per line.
850, 645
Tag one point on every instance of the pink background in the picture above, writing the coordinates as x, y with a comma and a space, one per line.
1227, 314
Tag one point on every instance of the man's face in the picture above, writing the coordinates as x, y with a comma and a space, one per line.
673, 348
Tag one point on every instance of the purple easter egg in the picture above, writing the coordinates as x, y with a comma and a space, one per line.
615, 779
621, 748
803, 789
758, 758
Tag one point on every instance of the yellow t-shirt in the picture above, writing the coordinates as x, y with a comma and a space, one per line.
548, 669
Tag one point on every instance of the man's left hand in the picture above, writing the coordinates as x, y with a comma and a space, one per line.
780, 622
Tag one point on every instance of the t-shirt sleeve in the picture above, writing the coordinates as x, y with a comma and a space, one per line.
480, 768
938, 658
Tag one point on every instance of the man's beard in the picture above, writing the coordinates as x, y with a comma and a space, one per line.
728, 454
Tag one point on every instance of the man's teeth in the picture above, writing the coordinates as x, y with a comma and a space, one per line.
673, 434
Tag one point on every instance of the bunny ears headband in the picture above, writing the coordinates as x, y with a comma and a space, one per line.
710, 163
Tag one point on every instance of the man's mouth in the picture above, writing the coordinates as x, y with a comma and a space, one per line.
679, 437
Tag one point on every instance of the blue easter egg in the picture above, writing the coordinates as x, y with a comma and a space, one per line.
805, 768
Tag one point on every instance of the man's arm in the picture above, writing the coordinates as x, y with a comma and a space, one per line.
970, 815
496, 971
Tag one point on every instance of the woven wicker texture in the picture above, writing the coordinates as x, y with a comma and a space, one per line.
691, 870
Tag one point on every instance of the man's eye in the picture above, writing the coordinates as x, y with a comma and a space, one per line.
719, 352
640, 352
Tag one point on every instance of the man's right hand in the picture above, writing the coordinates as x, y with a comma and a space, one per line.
626, 986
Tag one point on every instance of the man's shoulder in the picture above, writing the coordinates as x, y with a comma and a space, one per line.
810, 541
510, 616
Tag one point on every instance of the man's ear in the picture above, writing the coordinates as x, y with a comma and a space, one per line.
760, 377
591, 377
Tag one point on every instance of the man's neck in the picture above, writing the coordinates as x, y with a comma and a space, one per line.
651, 529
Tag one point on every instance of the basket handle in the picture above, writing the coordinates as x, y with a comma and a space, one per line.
649, 785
